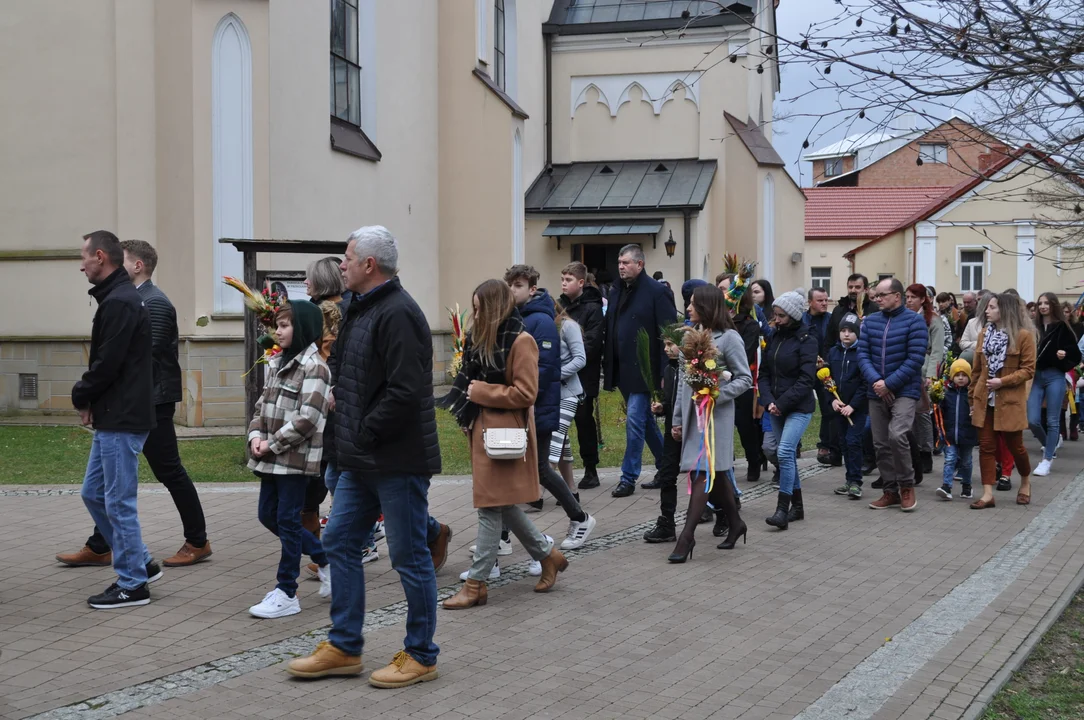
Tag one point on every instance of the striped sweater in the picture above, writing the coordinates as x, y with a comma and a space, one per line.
291, 414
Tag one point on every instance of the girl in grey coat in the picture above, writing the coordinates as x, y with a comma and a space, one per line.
708, 310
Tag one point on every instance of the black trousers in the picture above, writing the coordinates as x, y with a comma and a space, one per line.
165, 461
551, 480
669, 467
750, 429
587, 432
829, 434
316, 490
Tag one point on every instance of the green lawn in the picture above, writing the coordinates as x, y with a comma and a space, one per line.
57, 455
1050, 685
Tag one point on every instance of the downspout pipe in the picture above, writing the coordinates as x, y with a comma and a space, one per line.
547, 43
688, 244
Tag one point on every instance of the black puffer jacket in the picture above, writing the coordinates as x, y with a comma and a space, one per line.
586, 310
167, 367
385, 421
1057, 336
118, 386
788, 370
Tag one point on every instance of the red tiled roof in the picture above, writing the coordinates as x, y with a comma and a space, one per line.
857, 212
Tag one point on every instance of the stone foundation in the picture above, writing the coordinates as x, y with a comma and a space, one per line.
212, 369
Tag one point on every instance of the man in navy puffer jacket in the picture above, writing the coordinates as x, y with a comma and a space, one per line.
537, 308
891, 350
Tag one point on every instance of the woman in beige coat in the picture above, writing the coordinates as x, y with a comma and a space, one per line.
1004, 363
496, 389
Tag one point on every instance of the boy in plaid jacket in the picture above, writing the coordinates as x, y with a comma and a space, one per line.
286, 440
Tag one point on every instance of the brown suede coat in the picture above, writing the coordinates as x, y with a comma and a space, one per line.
507, 482
1011, 399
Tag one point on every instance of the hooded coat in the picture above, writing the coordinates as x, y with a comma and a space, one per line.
292, 410
538, 316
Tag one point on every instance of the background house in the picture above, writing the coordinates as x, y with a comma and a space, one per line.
183, 121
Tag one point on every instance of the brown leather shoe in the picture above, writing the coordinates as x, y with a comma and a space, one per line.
325, 660
188, 555
887, 500
312, 571
311, 521
403, 670
439, 548
86, 558
908, 501
552, 564
473, 592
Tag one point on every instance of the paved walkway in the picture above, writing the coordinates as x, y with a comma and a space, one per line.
851, 613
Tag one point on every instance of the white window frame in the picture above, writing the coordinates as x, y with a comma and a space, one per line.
482, 12
824, 282
960, 250
353, 31
833, 164
500, 44
936, 153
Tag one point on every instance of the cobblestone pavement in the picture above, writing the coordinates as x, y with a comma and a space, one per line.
851, 613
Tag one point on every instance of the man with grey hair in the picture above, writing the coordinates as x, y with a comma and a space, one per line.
636, 303
387, 451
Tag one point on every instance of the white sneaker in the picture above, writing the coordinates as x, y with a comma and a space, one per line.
504, 547
578, 533
369, 554
276, 604
493, 574
324, 574
1043, 470
378, 530
535, 568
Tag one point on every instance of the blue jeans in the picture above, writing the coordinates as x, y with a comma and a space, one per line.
788, 430
331, 481
282, 498
109, 492
958, 461
850, 440
405, 503
640, 425
1049, 385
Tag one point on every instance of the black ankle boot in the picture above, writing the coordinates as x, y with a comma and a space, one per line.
662, 532
782, 507
927, 461
590, 479
797, 509
721, 525
752, 474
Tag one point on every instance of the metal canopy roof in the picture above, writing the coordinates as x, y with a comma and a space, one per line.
603, 227
604, 16
622, 186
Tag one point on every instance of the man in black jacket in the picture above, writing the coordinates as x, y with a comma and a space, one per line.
115, 395
583, 304
857, 284
387, 452
140, 261
636, 302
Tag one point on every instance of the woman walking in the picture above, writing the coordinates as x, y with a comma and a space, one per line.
1004, 362
1056, 355
747, 412
496, 388
918, 300
787, 374
707, 311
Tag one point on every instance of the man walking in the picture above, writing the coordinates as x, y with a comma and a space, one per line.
115, 396
160, 449
583, 304
636, 302
817, 319
387, 451
891, 351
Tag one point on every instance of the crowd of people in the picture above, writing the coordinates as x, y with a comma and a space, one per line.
348, 409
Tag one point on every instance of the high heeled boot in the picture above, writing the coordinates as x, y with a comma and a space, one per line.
698, 504
473, 592
797, 509
782, 508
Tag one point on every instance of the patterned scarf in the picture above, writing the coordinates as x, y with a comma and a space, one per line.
463, 410
995, 346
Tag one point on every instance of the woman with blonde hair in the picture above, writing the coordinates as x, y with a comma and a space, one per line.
1004, 363
496, 388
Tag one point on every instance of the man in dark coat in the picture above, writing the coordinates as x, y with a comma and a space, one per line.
387, 451
160, 449
583, 304
857, 284
116, 396
818, 320
636, 302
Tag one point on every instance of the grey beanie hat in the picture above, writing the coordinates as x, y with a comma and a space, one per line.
792, 303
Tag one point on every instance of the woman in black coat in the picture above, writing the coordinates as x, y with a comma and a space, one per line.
787, 376
749, 427
1056, 352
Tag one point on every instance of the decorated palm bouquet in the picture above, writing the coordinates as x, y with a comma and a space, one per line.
264, 305
459, 338
704, 372
825, 376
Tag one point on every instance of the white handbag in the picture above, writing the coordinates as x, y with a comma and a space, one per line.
505, 443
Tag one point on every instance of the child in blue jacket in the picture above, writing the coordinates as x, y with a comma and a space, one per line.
852, 404
960, 435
